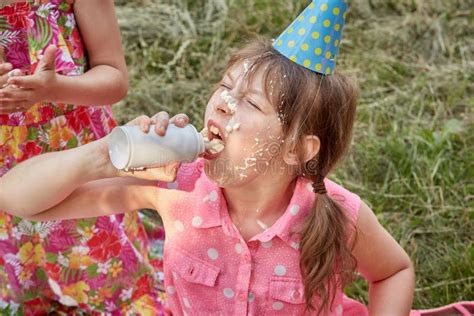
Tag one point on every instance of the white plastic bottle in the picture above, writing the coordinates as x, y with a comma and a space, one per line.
130, 148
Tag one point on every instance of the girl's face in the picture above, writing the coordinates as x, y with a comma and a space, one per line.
249, 126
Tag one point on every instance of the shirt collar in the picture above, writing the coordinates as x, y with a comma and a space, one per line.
208, 200
285, 227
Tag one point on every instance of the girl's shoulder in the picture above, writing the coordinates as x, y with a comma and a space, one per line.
348, 200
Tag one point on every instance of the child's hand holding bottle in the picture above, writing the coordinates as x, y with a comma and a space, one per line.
88, 163
159, 122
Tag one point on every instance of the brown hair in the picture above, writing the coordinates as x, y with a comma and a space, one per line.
309, 103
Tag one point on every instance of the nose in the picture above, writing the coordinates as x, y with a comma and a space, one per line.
223, 105
222, 108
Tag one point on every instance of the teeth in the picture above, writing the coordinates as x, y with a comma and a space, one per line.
204, 133
214, 130
215, 146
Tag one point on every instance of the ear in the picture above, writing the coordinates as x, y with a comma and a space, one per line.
310, 147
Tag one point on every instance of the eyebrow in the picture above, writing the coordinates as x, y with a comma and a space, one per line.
251, 90
255, 91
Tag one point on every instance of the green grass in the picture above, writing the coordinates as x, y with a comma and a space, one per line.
412, 154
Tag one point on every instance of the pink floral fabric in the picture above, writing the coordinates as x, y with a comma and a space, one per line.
90, 266
211, 270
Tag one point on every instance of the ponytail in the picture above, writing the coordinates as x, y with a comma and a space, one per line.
326, 261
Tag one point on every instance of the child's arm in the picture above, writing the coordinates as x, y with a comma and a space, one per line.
82, 182
385, 265
105, 83
77, 183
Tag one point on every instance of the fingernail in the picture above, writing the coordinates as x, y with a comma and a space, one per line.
8, 66
13, 73
160, 130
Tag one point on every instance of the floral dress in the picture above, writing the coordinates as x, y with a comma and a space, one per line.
88, 266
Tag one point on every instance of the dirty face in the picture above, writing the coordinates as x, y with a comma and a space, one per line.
240, 114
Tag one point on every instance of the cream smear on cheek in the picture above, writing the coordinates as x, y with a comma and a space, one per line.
264, 149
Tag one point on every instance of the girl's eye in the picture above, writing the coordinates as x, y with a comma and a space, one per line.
225, 86
253, 104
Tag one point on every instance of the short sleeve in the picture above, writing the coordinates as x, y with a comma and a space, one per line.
347, 200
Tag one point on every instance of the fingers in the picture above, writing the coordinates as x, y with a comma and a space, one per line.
15, 73
27, 82
161, 121
4, 68
166, 173
180, 120
171, 170
9, 107
15, 100
6, 72
48, 62
143, 121
14, 95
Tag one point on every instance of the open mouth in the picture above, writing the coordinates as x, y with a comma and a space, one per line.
214, 131
213, 140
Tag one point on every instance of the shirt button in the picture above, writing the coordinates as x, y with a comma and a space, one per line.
296, 294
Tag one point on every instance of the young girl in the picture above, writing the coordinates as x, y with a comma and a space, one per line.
59, 74
258, 228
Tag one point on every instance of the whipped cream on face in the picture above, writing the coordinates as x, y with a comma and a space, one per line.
232, 105
215, 145
232, 127
230, 100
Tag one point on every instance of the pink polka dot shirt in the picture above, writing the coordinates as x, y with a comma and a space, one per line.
211, 270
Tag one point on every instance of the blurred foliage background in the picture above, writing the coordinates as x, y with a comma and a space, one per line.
412, 155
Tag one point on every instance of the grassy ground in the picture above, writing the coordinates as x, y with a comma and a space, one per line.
412, 155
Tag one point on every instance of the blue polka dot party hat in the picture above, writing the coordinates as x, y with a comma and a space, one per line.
313, 39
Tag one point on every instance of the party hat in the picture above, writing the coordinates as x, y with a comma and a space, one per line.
313, 39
